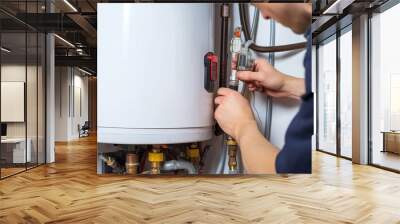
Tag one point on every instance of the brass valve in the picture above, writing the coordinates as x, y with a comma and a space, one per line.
193, 154
155, 157
231, 141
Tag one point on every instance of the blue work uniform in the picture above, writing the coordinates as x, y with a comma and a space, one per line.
295, 156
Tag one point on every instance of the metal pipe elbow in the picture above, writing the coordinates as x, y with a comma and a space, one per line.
179, 165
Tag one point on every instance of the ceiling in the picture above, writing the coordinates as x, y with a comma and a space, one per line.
330, 16
74, 22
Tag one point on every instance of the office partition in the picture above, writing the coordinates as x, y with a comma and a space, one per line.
22, 77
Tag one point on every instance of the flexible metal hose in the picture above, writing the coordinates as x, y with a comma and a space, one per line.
244, 18
179, 165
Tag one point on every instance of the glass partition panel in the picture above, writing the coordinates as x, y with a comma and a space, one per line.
22, 61
32, 96
14, 153
327, 96
346, 94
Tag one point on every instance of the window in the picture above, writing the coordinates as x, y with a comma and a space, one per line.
327, 96
346, 92
385, 89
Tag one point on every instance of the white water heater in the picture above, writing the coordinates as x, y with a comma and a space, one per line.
150, 63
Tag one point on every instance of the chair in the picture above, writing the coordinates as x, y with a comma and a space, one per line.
84, 130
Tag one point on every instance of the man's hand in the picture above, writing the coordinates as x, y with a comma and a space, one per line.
270, 81
235, 117
233, 113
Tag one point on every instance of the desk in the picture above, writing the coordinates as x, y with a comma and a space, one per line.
391, 141
16, 147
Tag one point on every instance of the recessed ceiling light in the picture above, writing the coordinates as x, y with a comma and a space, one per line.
65, 41
5, 50
84, 71
70, 5
337, 7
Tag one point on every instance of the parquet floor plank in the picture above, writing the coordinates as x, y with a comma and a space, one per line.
70, 191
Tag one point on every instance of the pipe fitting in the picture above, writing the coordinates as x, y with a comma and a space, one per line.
131, 163
179, 165
155, 157
193, 154
232, 153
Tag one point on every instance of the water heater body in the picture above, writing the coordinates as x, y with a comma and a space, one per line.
151, 73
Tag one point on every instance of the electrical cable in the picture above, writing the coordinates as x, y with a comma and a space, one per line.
245, 27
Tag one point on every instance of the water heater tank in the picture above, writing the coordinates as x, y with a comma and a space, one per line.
150, 78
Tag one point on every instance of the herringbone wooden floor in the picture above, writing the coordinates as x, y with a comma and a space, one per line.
69, 191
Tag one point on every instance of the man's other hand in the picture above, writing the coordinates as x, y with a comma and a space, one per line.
233, 113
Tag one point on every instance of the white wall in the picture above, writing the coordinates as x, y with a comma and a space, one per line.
291, 64
69, 84
15, 72
61, 103
12, 73
79, 117
12, 100
33, 127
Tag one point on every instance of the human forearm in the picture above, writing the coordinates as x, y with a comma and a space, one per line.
258, 154
235, 117
294, 86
